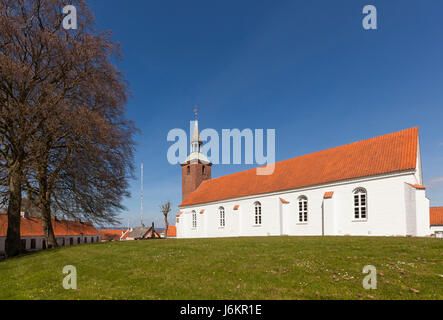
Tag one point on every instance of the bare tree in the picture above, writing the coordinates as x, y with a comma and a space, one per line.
165, 209
63, 134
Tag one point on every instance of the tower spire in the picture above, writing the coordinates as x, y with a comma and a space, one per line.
197, 167
196, 142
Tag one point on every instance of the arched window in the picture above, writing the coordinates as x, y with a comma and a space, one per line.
188, 170
203, 169
257, 207
302, 209
360, 204
194, 219
221, 210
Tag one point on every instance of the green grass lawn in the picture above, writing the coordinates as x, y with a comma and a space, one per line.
236, 268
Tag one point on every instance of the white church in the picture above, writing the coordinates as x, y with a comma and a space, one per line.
367, 188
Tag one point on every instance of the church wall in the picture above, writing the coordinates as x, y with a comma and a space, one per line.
386, 205
422, 214
417, 212
410, 204
329, 217
232, 221
418, 172
385, 208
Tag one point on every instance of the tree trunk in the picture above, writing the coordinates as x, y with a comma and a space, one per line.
45, 208
13, 243
167, 226
47, 224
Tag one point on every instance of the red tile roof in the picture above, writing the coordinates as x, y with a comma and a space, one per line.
436, 216
33, 227
390, 153
113, 234
328, 195
172, 231
126, 234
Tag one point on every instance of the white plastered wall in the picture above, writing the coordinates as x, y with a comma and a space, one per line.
388, 203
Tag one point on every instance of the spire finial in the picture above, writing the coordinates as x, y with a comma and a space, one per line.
196, 111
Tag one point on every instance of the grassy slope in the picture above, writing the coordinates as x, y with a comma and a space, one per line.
239, 268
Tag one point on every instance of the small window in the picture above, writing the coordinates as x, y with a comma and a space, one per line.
194, 219
33, 244
222, 217
188, 170
71, 241
257, 213
360, 204
44, 244
23, 244
303, 209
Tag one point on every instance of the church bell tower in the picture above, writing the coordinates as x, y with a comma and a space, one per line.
197, 167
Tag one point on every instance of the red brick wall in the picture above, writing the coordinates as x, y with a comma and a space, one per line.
191, 181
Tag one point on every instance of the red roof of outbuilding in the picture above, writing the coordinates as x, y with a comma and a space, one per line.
436, 217
33, 227
114, 234
126, 234
390, 153
172, 231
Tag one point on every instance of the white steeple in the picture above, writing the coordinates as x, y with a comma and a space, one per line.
196, 141
196, 144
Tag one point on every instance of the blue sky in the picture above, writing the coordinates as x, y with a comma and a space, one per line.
304, 68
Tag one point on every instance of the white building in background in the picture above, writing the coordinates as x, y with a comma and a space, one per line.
367, 188
67, 233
